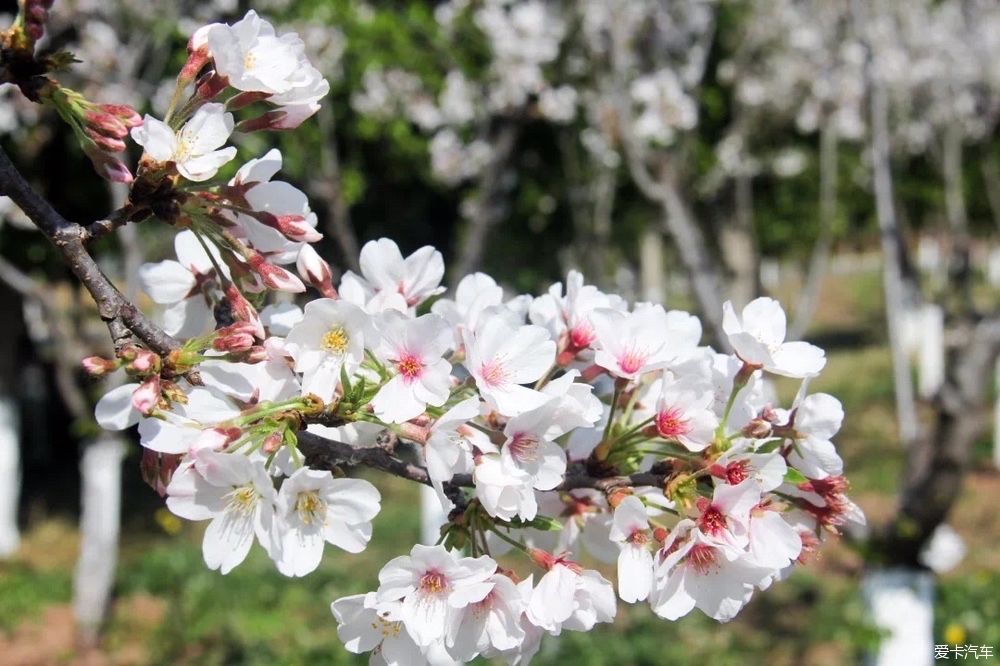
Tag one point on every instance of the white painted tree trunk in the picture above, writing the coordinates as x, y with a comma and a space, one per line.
100, 521
432, 516
652, 270
896, 294
901, 601
10, 475
931, 352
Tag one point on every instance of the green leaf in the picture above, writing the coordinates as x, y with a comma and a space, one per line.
794, 477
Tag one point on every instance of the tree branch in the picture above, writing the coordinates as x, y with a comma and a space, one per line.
122, 317
323, 453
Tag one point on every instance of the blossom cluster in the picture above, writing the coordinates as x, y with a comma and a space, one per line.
551, 426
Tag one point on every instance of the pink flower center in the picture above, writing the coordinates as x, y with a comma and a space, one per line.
701, 557
524, 447
493, 373
670, 423
632, 360
410, 366
737, 471
638, 537
433, 582
580, 336
712, 522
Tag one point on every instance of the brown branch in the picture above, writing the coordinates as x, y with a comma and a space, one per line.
122, 317
323, 453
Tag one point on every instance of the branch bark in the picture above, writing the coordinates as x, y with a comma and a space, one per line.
122, 317
323, 453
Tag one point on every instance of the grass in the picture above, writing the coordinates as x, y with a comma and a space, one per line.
171, 610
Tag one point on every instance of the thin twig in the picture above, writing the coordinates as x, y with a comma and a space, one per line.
122, 317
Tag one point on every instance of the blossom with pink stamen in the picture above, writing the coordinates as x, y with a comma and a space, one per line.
501, 357
631, 344
432, 584
412, 348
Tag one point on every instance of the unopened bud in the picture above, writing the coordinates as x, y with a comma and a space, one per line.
238, 337
147, 396
210, 88
143, 362
661, 534
107, 165
757, 429
242, 310
256, 354
293, 227
272, 443
124, 113
104, 142
314, 270
105, 123
285, 118
275, 277
95, 366
158, 468
244, 99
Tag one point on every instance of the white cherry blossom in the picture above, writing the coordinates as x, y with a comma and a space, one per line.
195, 149
758, 336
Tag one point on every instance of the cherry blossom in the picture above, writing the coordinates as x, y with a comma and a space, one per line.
501, 358
758, 336
313, 508
232, 492
433, 584
630, 530
330, 337
195, 149
412, 348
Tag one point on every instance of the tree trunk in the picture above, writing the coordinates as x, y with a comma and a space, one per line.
328, 188
488, 206
652, 271
805, 306
959, 268
10, 475
936, 465
897, 300
739, 246
94, 577
701, 266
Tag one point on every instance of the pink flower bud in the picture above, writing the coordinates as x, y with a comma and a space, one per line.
272, 443
144, 362
275, 277
105, 123
147, 396
124, 113
105, 142
243, 311
107, 166
244, 99
315, 271
294, 227
157, 469
257, 354
238, 337
95, 366
284, 118
210, 88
